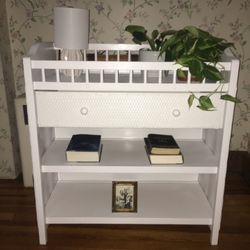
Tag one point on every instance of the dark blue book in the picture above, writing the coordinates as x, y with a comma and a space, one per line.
84, 147
162, 144
163, 158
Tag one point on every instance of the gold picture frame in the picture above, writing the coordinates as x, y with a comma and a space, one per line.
124, 196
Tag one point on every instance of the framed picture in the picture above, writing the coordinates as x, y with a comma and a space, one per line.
124, 196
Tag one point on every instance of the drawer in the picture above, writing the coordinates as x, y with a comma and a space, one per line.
135, 110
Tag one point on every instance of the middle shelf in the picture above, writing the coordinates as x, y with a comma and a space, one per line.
129, 156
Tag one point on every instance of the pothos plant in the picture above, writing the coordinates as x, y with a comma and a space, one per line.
193, 48
155, 40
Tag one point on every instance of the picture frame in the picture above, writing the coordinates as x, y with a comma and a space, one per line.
124, 196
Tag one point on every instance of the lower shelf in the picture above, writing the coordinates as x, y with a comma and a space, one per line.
158, 203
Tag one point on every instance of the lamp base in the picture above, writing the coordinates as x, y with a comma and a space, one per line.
71, 55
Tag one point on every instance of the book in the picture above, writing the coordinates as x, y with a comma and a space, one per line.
162, 144
166, 159
163, 158
84, 148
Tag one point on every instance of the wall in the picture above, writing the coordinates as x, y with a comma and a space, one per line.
7, 166
9, 155
31, 21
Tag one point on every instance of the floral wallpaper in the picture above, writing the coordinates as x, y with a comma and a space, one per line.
7, 166
32, 20
9, 150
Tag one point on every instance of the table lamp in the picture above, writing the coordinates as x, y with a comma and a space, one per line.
71, 34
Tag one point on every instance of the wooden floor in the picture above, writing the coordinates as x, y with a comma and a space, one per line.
18, 224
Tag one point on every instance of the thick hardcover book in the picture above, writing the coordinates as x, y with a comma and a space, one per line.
166, 159
162, 144
163, 158
84, 147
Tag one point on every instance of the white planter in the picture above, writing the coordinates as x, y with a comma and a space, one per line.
151, 56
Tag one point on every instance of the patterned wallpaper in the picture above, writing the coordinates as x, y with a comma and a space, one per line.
7, 166
32, 20
9, 156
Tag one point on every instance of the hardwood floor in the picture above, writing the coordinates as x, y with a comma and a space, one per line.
18, 223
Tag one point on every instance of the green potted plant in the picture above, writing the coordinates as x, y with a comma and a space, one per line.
193, 48
155, 41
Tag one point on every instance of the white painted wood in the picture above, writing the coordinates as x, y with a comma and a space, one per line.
129, 156
135, 110
35, 153
226, 135
161, 203
155, 176
130, 133
208, 184
123, 105
102, 68
125, 87
111, 65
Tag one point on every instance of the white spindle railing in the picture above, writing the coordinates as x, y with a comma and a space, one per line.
104, 66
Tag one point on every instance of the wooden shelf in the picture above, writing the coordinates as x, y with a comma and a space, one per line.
158, 203
129, 156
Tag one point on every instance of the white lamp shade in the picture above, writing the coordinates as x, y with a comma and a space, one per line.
71, 28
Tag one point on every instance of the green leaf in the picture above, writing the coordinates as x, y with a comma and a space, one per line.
154, 34
199, 33
192, 30
151, 43
212, 73
205, 103
135, 28
140, 36
158, 44
191, 100
136, 41
167, 33
224, 46
170, 42
179, 49
184, 61
195, 67
206, 44
192, 49
204, 108
230, 98
181, 74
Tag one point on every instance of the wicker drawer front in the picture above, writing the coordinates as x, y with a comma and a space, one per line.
135, 110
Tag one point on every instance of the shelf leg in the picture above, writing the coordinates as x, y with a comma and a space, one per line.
42, 231
214, 238
42, 238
